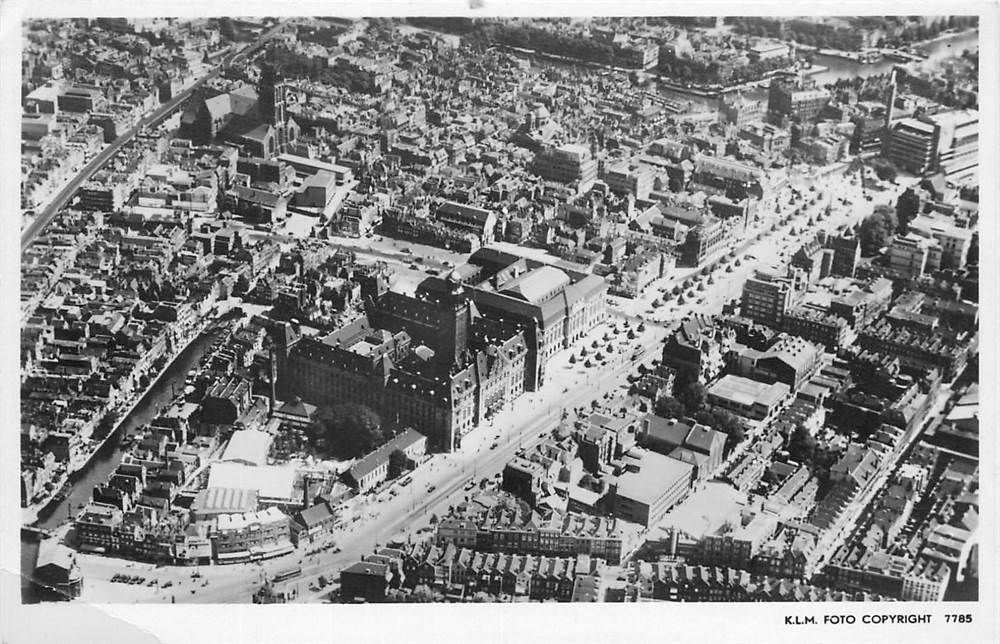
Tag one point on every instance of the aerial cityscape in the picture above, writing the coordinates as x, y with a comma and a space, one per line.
477, 310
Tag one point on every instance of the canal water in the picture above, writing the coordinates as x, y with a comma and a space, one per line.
111, 454
946, 47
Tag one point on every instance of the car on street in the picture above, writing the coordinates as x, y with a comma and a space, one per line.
493, 446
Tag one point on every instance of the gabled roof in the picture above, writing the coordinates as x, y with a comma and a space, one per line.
537, 285
705, 439
314, 515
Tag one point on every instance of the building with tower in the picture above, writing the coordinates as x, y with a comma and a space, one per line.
447, 358
254, 120
273, 93
767, 295
430, 362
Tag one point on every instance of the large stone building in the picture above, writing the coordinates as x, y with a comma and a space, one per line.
439, 367
555, 306
252, 119
792, 94
447, 358
569, 164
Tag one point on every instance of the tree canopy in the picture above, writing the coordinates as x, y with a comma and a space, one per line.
669, 407
397, 462
692, 396
725, 422
802, 445
877, 229
907, 208
346, 430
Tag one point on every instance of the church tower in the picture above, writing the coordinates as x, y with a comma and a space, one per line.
271, 103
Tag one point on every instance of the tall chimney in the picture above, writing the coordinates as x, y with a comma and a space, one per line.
272, 376
890, 99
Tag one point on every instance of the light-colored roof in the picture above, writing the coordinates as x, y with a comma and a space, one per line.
793, 351
242, 520
248, 446
380, 455
271, 482
746, 392
537, 285
53, 553
656, 474
224, 500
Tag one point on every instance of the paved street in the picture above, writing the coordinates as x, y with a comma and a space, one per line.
521, 425
64, 195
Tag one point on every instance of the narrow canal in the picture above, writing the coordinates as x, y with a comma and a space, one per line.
111, 454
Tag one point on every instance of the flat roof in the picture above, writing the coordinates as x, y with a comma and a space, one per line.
656, 474
270, 481
248, 446
746, 391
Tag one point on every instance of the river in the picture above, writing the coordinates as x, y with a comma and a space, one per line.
945, 47
111, 454
936, 50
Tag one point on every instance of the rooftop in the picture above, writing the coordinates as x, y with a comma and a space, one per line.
656, 474
747, 392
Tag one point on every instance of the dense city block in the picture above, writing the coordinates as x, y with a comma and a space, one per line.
500, 310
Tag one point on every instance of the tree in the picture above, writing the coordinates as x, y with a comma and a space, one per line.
346, 430
907, 208
226, 28
877, 229
802, 445
692, 396
973, 256
884, 169
722, 421
106, 424
397, 462
669, 407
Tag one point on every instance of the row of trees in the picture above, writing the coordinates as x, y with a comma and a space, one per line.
559, 44
712, 73
814, 34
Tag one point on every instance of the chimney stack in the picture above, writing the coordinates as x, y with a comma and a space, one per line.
271, 377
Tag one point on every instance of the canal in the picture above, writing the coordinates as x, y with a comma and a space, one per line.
111, 454
836, 68
936, 50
